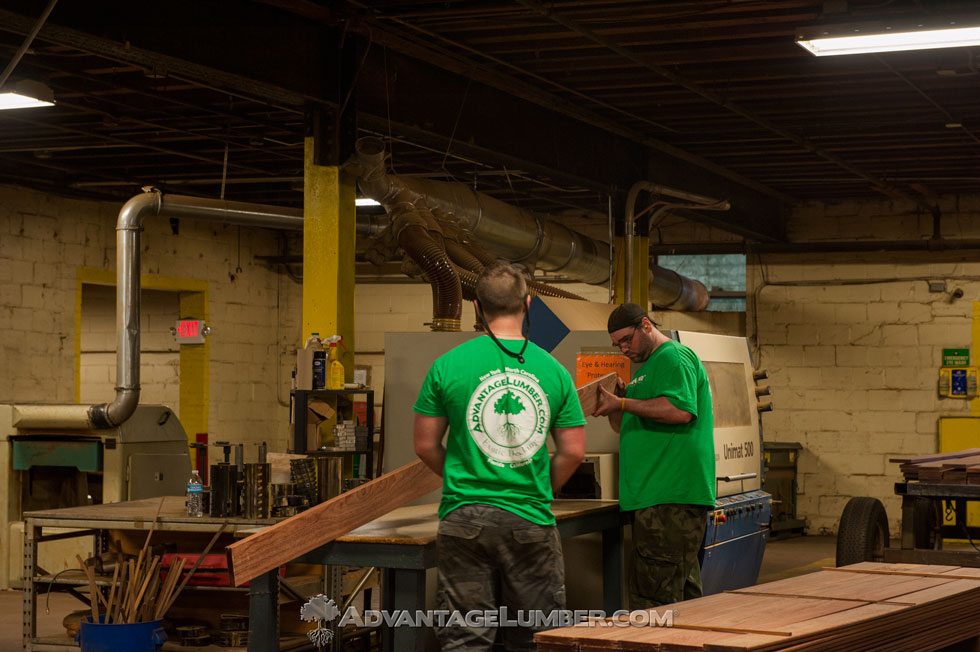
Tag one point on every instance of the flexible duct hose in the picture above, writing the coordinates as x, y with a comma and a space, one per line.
463, 257
447, 301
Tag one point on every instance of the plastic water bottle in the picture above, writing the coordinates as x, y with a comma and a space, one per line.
195, 495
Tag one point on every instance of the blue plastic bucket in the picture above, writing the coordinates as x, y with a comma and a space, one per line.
137, 637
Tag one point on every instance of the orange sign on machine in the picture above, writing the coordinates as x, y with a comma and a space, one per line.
592, 366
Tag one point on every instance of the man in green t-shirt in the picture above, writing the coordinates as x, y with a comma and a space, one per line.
500, 397
666, 458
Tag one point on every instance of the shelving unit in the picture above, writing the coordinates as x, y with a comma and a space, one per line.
345, 400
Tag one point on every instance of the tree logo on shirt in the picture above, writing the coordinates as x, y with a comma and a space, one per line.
509, 416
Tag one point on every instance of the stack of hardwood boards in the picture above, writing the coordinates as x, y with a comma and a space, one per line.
862, 607
957, 467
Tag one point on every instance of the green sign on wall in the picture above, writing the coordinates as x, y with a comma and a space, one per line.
956, 357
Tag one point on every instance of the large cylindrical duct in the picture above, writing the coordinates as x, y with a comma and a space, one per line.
511, 233
514, 234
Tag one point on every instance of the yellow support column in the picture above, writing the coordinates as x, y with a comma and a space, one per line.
328, 255
328, 260
641, 271
195, 371
974, 352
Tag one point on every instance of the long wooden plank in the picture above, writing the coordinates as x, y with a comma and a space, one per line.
588, 394
936, 456
319, 525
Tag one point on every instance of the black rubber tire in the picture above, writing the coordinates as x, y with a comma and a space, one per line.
927, 516
863, 531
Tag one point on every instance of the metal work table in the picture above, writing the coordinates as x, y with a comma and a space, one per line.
94, 520
959, 494
403, 542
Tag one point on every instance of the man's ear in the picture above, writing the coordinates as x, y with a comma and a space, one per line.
527, 301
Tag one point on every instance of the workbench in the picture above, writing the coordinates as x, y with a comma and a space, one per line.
403, 542
95, 520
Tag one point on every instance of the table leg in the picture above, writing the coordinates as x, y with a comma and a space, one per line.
29, 595
263, 613
612, 569
908, 522
403, 589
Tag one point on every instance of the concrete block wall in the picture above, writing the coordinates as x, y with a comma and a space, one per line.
853, 344
254, 313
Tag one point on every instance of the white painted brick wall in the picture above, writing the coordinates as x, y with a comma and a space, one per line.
853, 360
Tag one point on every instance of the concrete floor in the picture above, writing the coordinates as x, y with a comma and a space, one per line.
783, 559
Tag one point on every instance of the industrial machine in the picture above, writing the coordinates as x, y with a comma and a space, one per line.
48, 466
737, 529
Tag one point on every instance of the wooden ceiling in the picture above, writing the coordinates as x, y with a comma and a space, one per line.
556, 106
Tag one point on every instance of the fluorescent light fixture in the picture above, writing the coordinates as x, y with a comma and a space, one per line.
26, 94
365, 201
889, 36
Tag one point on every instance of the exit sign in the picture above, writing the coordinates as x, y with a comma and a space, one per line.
190, 331
956, 357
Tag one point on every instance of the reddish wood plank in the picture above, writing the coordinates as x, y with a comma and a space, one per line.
588, 394
297, 535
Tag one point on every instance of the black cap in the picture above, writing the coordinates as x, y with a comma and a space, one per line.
626, 315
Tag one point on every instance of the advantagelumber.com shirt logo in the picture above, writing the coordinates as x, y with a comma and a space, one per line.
508, 415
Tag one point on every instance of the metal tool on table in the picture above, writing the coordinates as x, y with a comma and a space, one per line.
256, 486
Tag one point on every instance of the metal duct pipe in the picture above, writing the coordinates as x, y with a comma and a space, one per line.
660, 281
668, 288
128, 227
515, 234
465, 258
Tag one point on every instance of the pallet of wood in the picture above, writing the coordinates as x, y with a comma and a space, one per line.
940, 468
859, 608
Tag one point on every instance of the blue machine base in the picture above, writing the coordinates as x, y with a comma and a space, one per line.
733, 546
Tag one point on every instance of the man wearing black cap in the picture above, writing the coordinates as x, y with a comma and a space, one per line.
666, 458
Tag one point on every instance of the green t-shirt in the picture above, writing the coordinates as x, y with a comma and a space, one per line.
663, 463
500, 413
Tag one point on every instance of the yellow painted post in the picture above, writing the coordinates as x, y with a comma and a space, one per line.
641, 271
194, 371
328, 257
974, 352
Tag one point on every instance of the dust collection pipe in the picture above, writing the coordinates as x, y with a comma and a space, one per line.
128, 228
513, 234
691, 294
465, 258
408, 227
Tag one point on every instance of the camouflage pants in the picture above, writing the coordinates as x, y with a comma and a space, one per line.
664, 565
488, 558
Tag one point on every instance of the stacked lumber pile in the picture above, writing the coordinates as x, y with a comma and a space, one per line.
862, 607
957, 467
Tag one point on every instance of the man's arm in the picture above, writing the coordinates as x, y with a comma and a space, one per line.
428, 434
657, 409
569, 452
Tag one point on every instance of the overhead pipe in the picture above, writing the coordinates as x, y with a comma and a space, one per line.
662, 282
409, 226
513, 234
854, 246
129, 226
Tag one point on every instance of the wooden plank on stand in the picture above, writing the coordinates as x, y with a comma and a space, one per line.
588, 394
298, 535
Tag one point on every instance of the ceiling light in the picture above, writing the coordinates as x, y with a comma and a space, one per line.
889, 36
26, 94
365, 201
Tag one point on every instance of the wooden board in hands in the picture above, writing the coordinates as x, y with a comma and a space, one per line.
319, 525
588, 394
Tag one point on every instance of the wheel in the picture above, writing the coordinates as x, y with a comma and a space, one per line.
863, 531
926, 519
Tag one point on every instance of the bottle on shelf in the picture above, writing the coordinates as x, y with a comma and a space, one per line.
195, 495
304, 362
335, 368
